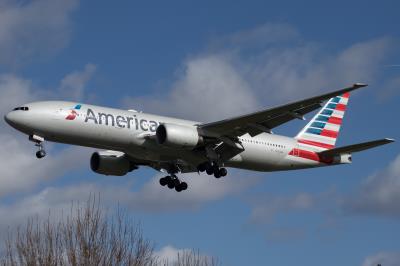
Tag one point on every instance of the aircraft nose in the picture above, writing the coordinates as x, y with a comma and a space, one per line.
11, 118
8, 118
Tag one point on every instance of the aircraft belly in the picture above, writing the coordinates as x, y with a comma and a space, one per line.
257, 158
159, 153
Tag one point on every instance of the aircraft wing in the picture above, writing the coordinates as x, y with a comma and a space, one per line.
355, 147
265, 120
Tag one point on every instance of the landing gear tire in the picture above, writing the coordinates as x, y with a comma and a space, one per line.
163, 181
219, 172
215, 169
202, 167
171, 183
40, 154
209, 169
223, 172
184, 185
176, 183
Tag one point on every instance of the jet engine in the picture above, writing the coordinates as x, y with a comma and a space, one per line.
178, 136
109, 163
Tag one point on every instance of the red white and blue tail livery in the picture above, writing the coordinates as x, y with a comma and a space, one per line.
322, 131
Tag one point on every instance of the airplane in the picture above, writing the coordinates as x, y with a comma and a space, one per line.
129, 139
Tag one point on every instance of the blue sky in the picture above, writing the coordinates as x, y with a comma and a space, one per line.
210, 60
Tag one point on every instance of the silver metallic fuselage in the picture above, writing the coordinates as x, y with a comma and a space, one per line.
130, 132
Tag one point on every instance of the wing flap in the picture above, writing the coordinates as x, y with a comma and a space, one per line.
355, 147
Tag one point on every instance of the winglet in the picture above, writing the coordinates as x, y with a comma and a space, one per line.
388, 140
359, 85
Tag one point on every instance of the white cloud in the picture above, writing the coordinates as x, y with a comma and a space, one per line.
257, 38
72, 85
202, 189
209, 88
266, 209
169, 254
33, 28
274, 214
379, 195
383, 258
40, 205
390, 89
14, 91
154, 198
21, 170
254, 69
150, 198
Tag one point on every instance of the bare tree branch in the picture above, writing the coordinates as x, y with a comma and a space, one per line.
88, 237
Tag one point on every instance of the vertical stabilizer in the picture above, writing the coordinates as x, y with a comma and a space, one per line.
322, 131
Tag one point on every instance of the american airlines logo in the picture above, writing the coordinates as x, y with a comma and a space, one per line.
72, 115
129, 122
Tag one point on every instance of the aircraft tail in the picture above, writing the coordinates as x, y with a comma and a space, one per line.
322, 131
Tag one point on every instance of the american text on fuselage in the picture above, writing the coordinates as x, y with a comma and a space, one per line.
121, 121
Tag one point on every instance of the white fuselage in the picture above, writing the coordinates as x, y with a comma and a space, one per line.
131, 132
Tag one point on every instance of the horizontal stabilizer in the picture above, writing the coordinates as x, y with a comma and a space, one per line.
355, 147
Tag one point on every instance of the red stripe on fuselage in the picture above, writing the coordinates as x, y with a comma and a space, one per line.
315, 143
310, 155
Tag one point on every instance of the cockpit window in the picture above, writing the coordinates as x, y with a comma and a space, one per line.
23, 108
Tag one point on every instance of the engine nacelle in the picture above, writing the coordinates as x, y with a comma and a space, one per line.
178, 136
106, 163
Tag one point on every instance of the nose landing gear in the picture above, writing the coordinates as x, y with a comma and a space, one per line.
38, 143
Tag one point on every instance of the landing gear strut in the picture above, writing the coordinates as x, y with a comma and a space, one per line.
172, 181
38, 143
212, 168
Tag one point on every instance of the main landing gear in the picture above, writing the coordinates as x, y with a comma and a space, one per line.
172, 181
38, 143
212, 168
